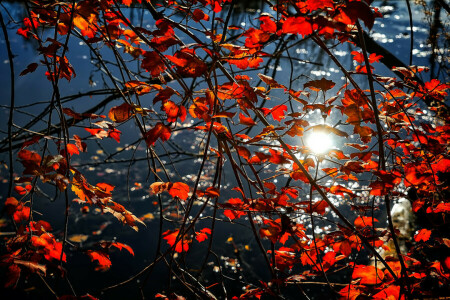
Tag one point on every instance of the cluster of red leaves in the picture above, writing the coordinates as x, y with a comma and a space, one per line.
420, 158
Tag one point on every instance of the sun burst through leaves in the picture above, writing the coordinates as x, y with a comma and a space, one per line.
319, 142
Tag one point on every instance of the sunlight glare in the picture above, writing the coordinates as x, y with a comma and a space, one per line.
319, 142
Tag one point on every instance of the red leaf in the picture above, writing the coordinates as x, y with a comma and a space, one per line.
171, 236
391, 292
114, 134
244, 152
22, 213
358, 146
199, 15
246, 120
363, 221
12, 276
175, 189
270, 82
212, 192
104, 263
277, 112
350, 292
369, 274
21, 190
188, 64
203, 234
153, 63
232, 213
97, 132
121, 246
297, 25
72, 149
423, 235
358, 9
340, 190
160, 131
318, 207
180, 190
139, 87
174, 111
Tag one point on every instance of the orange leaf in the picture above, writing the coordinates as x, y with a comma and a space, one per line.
392, 292
363, 221
246, 120
369, 274
72, 149
104, 263
174, 111
120, 113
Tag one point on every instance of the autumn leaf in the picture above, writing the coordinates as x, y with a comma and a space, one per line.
363, 221
171, 236
104, 263
175, 189
120, 113
327, 129
79, 143
114, 134
277, 112
317, 207
119, 246
350, 292
340, 190
423, 235
270, 82
368, 274
198, 15
153, 63
139, 87
203, 234
180, 190
232, 206
174, 111
160, 131
246, 120
187, 63
297, 25
391, 292
123, 215
29, 69
97, 132
319, 85
72, 149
